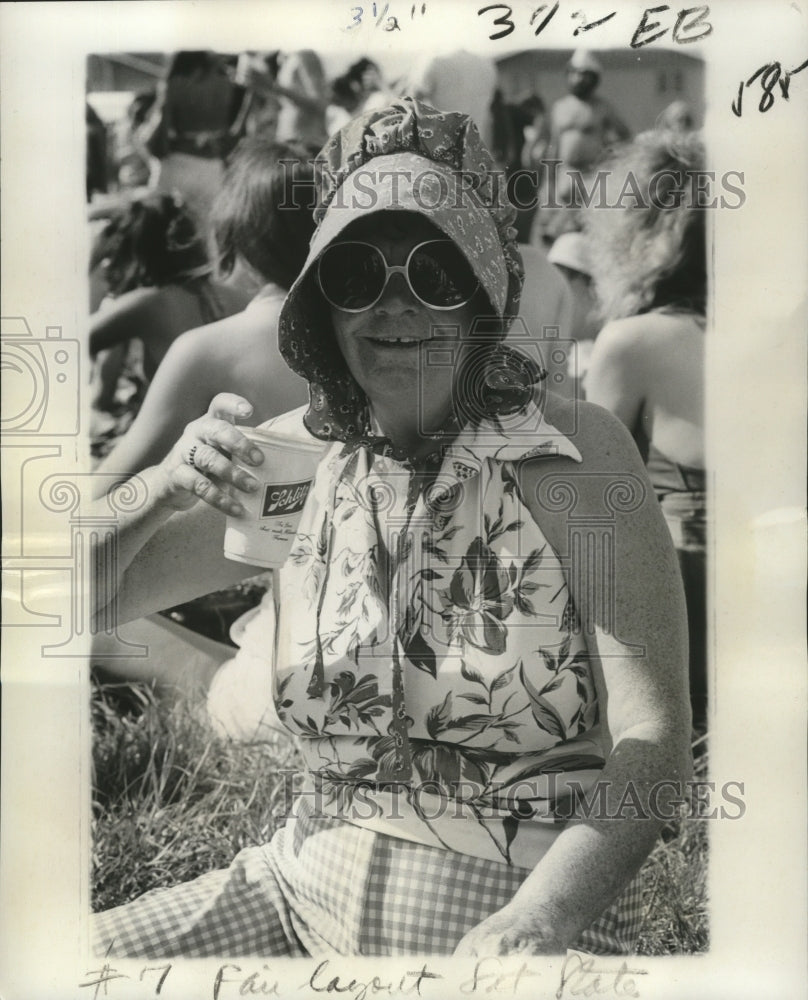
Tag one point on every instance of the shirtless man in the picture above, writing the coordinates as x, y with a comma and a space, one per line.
582, 127
583, 124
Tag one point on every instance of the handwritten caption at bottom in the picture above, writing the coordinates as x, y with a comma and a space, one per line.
581, 976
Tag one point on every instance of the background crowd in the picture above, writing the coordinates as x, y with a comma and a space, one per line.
192, 258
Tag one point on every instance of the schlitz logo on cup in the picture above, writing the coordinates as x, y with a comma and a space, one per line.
285, 498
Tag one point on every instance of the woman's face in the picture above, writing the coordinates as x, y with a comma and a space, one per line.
400, 351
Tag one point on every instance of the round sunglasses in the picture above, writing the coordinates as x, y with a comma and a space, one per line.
353, 275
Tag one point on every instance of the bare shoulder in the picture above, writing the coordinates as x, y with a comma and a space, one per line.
621, 355
609, 481
212, 335
650, 328
643, 349
602, 440
217, 342
624, 335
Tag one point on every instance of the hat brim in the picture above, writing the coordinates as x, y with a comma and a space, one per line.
407, 182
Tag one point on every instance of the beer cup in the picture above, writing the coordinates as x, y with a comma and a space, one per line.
264, 534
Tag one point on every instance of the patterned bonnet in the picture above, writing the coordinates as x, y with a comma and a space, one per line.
409, 157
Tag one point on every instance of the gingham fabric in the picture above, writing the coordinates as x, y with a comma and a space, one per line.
324, 887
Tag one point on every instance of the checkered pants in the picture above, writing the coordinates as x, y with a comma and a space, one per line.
322, 886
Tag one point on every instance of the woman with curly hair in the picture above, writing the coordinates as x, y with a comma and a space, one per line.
650, 270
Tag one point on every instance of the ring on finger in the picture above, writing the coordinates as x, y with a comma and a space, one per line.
191, 455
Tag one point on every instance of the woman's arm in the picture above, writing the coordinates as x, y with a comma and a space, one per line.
179, 392
634, 621
109, 329
167, 545
308, 95
170, 560
127, 317
238, 354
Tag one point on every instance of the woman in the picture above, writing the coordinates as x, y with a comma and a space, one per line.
301, 88
261, 226
447, 674
158, 278
158, 284
647, 365
196, 125
360, 88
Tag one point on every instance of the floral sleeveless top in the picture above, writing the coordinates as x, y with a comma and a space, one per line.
429, 656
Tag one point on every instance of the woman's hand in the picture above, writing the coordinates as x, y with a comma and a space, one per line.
509, 932
202, 464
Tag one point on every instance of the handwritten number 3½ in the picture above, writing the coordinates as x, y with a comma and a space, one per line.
503, 19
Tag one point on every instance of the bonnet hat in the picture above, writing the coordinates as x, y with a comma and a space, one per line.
407, 157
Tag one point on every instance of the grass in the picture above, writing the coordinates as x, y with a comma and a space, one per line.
172, 801
675, 882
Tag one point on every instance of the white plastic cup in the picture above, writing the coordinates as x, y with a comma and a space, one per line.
263, 535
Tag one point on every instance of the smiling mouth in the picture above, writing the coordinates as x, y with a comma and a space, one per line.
395, 341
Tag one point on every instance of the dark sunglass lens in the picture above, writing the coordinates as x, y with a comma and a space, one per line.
441, 275
351, 275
